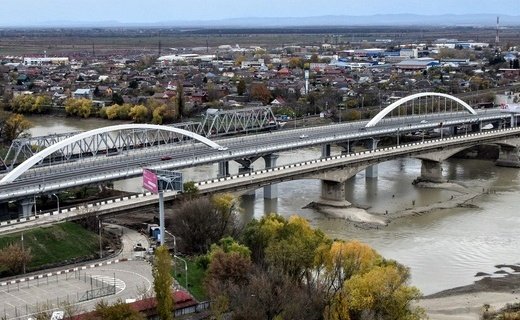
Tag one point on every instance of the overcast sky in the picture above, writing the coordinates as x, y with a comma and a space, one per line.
18, 12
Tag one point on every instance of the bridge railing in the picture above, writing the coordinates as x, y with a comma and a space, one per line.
363, 154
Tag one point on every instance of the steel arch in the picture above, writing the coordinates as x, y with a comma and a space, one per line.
29, 163
399, 102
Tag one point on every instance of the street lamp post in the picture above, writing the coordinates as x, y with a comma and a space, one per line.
23, 250
57, 201
185, 270
100, 239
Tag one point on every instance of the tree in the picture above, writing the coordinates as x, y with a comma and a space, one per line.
382, 293
260, 92
190, 189
117, 311
117, 99
199, 223
139, 113
293, 248
241, 87
162, 283
271, 295
14, 126
14, 258
78, 107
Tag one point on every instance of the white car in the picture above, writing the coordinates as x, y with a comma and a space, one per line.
424, 121
303, 136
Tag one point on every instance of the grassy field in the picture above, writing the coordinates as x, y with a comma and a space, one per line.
195, 278
63, 243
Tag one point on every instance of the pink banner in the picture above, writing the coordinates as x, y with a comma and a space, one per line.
150, 181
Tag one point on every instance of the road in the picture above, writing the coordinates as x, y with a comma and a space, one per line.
47, 180
132, 280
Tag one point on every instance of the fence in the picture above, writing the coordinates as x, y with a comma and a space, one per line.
24, 299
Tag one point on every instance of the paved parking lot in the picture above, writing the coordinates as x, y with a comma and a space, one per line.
127, 279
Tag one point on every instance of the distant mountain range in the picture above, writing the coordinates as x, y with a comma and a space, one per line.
329, 20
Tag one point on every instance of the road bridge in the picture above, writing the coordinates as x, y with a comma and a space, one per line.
333, 171
24, 182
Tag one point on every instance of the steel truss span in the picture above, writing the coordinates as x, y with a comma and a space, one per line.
216, 123
222, 122
22, 149
412, 97
117, 137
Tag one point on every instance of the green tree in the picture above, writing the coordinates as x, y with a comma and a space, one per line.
117, 98
241, 87
162, 283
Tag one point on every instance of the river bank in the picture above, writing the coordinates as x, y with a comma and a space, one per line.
468, 302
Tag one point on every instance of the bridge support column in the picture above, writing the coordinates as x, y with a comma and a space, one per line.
333, 191
325, 151
25, 207
242, 170
223, 169
371, 171
431, 171
508, 157
270, 191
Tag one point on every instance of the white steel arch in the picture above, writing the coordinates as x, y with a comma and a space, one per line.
29, 163
399, 102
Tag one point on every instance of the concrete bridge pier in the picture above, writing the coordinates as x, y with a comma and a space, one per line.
247, 169
371, 171
25, 207
223, 169
508, 157
431, 171
325, 151
333, 193
270, 191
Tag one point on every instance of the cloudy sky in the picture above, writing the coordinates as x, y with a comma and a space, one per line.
17, 12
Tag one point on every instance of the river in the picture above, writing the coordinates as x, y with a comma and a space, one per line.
443, 249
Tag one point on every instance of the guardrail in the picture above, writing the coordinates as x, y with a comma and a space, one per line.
306, 165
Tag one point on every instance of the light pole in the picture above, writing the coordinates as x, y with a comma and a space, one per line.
23, 252
100, 239
57, 201
185, 269
174, 242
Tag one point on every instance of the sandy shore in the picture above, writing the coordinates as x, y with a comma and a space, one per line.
461, 197
467, 302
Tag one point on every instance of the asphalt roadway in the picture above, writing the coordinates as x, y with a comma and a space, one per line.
132, 279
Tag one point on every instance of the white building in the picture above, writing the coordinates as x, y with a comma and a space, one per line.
45, 61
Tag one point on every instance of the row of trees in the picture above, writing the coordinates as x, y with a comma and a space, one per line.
152, 111
29, 103
276, 268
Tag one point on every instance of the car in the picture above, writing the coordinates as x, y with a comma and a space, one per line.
424, 121
164, 158
303, 136
222, 148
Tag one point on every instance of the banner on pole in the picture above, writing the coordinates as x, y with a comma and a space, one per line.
150, 181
